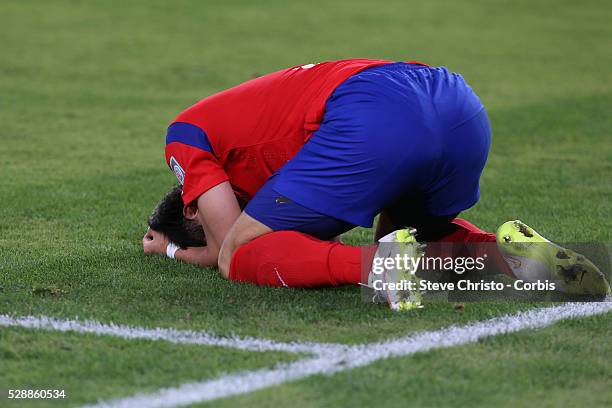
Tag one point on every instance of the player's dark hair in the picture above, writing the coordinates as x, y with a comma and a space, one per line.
168, 218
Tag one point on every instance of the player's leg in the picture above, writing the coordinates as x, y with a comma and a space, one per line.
445, 235
278, 242
244, 230
287, 254
515, 250
297, 260
431, 228
288, 258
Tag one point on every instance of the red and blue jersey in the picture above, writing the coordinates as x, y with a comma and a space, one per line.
377, 132
246, 133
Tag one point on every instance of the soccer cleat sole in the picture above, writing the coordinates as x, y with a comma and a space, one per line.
533, 257
407, 244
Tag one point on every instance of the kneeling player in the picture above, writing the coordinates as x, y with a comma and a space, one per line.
404, 140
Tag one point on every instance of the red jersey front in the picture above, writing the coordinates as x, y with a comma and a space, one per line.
246, 133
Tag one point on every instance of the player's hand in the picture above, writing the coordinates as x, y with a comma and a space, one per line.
154, 242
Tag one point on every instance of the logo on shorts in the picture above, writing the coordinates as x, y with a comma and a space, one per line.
177, 169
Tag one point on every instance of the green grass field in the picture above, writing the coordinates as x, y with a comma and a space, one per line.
86, 92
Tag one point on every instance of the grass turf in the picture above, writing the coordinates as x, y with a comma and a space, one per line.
88, 88
90, 367
563, 365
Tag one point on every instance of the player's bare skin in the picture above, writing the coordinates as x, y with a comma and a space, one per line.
225, 228
244, 230
216, 210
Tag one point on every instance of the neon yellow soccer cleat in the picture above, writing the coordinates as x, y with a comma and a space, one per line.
392, 283
532, 257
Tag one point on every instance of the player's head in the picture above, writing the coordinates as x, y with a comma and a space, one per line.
179, 223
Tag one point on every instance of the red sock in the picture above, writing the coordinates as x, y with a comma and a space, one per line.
467, 232
296, 260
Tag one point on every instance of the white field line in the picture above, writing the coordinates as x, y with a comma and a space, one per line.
328, 358
355, 356
167, 334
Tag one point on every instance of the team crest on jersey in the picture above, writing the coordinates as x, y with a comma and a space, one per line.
177, 169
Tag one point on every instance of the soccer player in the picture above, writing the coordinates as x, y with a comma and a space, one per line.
314, 151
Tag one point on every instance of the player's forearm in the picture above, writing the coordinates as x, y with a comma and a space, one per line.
201, 256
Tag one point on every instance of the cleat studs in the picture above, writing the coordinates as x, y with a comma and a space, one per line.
562, 255
507, 238
412, 230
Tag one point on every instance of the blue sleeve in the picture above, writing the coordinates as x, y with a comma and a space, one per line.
188, 134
